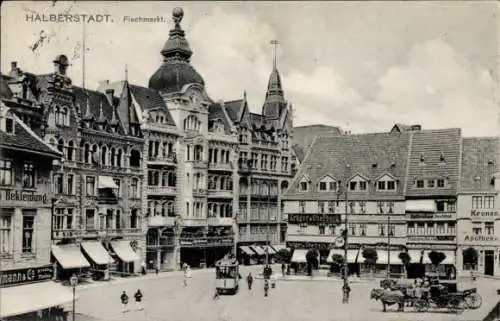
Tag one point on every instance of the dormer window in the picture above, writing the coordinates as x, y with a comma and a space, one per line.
441, 158
303, 186
9, 125
328, 183
357, 183
386, 183
440, 183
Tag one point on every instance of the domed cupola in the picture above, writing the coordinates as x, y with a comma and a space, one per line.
176, 71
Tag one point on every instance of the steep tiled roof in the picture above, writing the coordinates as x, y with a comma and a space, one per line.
233, 109
403, 128
330, 154
148, 99
299, 152
430, 145
25, 139
5, 91
215, 111
304, 135
480, 159
256, 120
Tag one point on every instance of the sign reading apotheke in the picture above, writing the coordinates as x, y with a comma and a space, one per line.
22, 196
480, 238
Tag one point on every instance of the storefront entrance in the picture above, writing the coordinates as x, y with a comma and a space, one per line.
489, 263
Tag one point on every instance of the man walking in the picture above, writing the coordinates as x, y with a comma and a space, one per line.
124, 299
249, 280
138, 300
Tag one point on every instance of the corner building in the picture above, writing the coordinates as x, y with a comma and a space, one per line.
213, 170
478, 219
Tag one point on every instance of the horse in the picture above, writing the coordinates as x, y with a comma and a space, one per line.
388, 297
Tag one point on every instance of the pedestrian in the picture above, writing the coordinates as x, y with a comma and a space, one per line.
249, 280
138, 300
266, 287
347, 290
216, 295
143, 268
124, 299
185, 278
157, 268
283, 269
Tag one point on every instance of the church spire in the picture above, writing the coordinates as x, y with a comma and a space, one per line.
275, 99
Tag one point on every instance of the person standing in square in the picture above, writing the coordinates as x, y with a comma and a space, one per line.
138, 300
124, 299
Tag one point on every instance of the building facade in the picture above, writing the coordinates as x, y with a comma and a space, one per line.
26, 200
478, 219
97, 185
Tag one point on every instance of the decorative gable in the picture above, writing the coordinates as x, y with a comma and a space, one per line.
386, 182
327, 183
305, 183
358, 183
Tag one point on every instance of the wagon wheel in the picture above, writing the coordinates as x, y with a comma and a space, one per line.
473, 301
421, 305
456, 305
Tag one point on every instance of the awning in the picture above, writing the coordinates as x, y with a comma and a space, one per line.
32, 297
278, 247
269, 249
425, 258
69, 256
450, 257
97, 253
382, 257
395, 260
299, 256
420, 206
107, 182
332, 252
247, 250
352, 255
124, 251
415, 255
258, 249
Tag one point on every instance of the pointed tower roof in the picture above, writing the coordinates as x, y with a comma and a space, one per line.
275, 98
101, 118
176, 71
88, 113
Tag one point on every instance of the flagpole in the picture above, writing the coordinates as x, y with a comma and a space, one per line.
345, 294
84, 48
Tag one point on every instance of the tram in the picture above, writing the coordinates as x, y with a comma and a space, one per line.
227, 276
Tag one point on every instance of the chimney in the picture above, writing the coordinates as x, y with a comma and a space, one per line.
416, 127
13, 66
109, 94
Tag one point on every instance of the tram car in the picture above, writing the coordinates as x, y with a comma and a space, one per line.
227, 276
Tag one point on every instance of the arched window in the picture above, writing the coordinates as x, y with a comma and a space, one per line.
187, 208
229, 183
135, 158
164, 178
171, 179
95, 156
192, 123
71, 148
57, 115
113, 157
60, 145
222, 183
86, 153
104, 155
119, 158
64, 116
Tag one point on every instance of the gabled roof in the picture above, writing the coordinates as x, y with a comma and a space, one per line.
233, 109
330, 154
304, 135
431, 144
480, 159
26, 140
299, 152
215, 111
149, 99
404, 128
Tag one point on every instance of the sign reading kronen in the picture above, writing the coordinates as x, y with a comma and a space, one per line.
476, 213
23, 196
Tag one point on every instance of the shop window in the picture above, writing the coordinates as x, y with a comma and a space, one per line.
6, 232
29, 174
28, 231
6, 172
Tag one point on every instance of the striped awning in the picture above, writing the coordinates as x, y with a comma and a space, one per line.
257, 249
332, 252
352, 256
247, 250
69, 256
299, 256
269, 249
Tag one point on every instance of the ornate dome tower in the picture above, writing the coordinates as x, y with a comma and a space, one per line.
176, 71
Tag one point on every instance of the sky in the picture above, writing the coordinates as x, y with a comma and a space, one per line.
362, 66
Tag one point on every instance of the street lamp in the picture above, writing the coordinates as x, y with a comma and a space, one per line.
388, 246
73, 280
345, 288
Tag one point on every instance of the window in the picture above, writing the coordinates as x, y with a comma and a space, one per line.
420, 183
29, 174
332, 229
333, 186
451, 228
322, 230
381, 185
391, 185
489, 228
380, 206
119, 189
362, 228
321, 207
322, 186
71, 180
89, 219
9, 125
420, 229
302, 206
28, 231
362, 186
477, 202
90, 186
331, 207
352, 186
58, 184
352, 207
489, 202
303, 186
440, 206
451, 206
477, 228
135, 188
5, 172
440, 183
440, 228
430, 228
71, 148
362, 207
381, 229
430, 183
411, 228
352, 229
6, 232
392, 230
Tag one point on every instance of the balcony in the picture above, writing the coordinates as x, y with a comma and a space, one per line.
220, 193
159, 220
438, 239
112, 232
220, 166
220, 221
160, 190
193, 222
170, 160
66, 234
206, 241
199, 192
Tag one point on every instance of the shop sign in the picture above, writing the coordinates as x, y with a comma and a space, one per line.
29, 275
314, 218
430, 216
480, 238
432, 238
479, 213
23, 196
